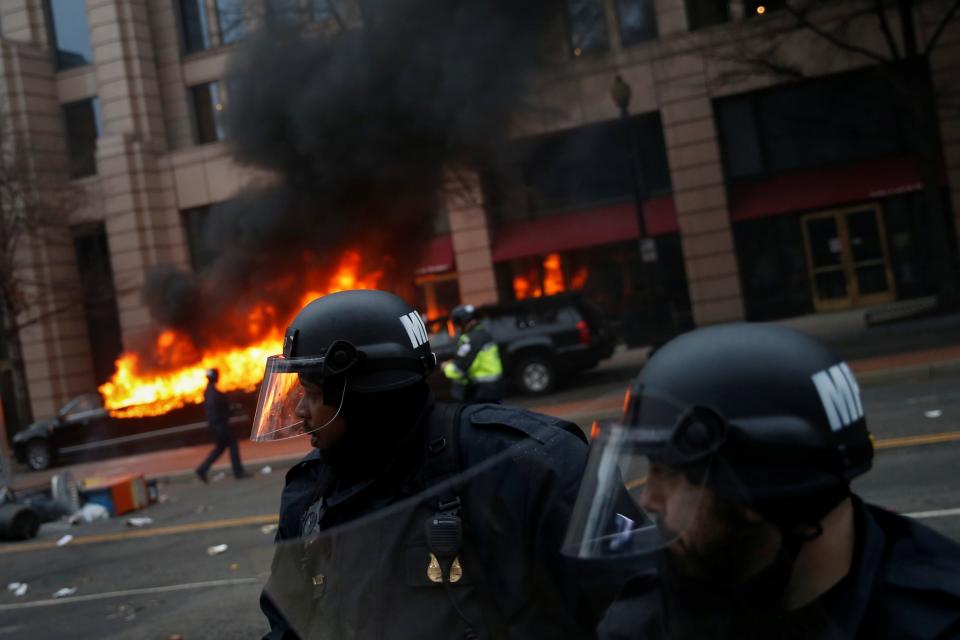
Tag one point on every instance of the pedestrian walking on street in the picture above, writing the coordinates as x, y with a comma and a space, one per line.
218, 418
738, 445
476, 373
412, 519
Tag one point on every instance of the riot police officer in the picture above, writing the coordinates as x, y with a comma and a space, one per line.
410, 519
476, 373
738, 444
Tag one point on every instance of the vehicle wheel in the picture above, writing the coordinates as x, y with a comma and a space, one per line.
38, 455
18, 522
536, 376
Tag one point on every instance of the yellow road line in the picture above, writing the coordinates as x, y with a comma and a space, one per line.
144, 533
912, 441
887, 443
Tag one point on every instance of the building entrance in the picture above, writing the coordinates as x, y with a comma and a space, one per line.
847, 258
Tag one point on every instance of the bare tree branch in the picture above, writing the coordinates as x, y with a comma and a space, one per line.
806, 23
885, 28
947, 17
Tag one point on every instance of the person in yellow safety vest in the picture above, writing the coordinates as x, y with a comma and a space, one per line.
476, 373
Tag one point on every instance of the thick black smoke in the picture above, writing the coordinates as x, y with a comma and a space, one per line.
360, 117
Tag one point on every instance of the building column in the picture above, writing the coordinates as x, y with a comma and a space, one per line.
23, 21
54, 341
471, 238
698, 190
141, 218
945, 69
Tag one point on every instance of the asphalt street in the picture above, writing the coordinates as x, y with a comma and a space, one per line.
160, 580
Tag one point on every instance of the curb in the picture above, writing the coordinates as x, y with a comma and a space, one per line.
910, 373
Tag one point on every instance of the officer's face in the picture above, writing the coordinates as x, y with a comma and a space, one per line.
715, 538
315, 414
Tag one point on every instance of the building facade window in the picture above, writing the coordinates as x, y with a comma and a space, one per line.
195, 25
285, 12
588, 26
194, 224
207, 112
70, 33
824, 122
578, 168
638, 21
82, 121
231, 20
706, 13
99, 297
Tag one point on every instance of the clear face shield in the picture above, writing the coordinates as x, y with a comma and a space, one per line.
644, 481
283, 394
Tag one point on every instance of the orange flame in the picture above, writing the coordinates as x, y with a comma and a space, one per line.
132, 392
552, 275
528, 285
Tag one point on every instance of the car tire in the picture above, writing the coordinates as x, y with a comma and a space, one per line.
37, 454
18, 522
536, 376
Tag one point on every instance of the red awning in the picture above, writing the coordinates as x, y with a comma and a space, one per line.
823, 188
438, 257
583, 228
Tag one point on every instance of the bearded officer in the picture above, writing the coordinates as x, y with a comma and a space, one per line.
738, 444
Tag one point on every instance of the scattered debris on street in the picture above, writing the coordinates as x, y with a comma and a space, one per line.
65, 592
64, 540
216, 549
18, 588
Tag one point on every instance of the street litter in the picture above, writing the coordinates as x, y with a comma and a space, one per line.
18, 588
234, 566
63, 593
89, 513
204, 507
64, 540
267, 470
933, 413
267, 529
163, 498
216, 549
139, 522
217, 477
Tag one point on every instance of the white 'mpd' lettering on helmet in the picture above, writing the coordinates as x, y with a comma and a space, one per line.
416, 330
839, 394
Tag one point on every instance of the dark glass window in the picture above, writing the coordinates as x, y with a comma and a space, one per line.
99, 297
194, 223
593, 164
283, 12
588, 26
706, 13
741, 152
70, 33
207, 112
196, 30
828, 121
773, 268
637, 21
230, 20
82, 121
321, 10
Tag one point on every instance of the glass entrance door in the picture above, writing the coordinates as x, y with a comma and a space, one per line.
847, 258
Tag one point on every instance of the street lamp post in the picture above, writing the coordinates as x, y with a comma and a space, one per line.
620, 93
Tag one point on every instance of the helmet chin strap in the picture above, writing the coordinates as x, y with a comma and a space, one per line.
343, 395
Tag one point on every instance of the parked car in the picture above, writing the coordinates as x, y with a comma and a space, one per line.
542, 341
83, 429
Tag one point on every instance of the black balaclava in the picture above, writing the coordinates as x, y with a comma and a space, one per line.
381, 427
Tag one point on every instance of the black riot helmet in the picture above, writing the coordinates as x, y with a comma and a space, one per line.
762, 414
360, 341
463, 314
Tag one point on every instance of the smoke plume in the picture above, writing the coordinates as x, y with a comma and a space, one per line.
360, 116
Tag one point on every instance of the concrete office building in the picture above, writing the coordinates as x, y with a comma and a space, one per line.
126, 97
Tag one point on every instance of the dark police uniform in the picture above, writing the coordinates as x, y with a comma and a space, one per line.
370, 576
904, 582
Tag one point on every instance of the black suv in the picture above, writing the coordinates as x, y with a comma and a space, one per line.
541, 340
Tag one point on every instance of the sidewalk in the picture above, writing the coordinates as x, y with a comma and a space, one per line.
911, 349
